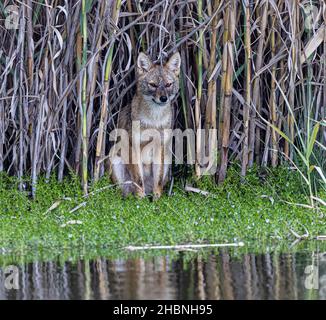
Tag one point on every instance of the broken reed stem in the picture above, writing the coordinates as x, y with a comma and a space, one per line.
184, 246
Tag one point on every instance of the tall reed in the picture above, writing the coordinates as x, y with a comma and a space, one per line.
83, 99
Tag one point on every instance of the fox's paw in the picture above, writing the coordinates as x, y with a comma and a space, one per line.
157, 194
140, 193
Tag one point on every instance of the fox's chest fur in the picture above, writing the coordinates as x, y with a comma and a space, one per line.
150, 116
152, 119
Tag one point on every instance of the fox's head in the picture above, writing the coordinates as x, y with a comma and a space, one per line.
158, 84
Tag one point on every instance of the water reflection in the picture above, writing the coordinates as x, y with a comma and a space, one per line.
215, 277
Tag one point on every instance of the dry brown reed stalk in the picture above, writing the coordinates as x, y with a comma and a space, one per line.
272, 104
211, 111
198, 115
83, 99
247, 105
293, 10
254, 139
253, 70
228, 65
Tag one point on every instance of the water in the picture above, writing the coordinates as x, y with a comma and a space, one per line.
213, 276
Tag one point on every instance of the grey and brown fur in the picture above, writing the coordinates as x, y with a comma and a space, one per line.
157, 86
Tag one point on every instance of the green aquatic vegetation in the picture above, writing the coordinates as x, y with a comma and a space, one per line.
254, 211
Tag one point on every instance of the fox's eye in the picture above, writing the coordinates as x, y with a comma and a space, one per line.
153, 85
168, 85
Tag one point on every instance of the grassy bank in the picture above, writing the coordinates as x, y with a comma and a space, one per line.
253, 212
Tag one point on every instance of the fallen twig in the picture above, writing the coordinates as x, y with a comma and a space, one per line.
184, 246
83, 204
196, 190
295, 242
304, 236
321, 238
109, 187
297, 204
56, 205
71, 222
298, 237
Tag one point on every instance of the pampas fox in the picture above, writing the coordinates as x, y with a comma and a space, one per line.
150, 109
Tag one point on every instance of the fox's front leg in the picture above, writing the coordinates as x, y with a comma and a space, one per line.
157, 181
137, 173
136, 167
158, 171
138, 179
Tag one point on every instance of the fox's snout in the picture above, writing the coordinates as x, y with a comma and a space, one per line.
161, 95
163, 98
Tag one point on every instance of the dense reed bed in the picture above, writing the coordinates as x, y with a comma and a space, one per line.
253, 70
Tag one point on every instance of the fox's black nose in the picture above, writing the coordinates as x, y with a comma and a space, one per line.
163, 99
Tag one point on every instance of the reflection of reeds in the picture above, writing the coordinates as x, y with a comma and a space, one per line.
68, 70
102, 278
227, 282
247, 276
277, 276
212, 279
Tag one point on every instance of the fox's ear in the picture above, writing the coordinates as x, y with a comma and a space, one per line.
144, 63
174, 63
